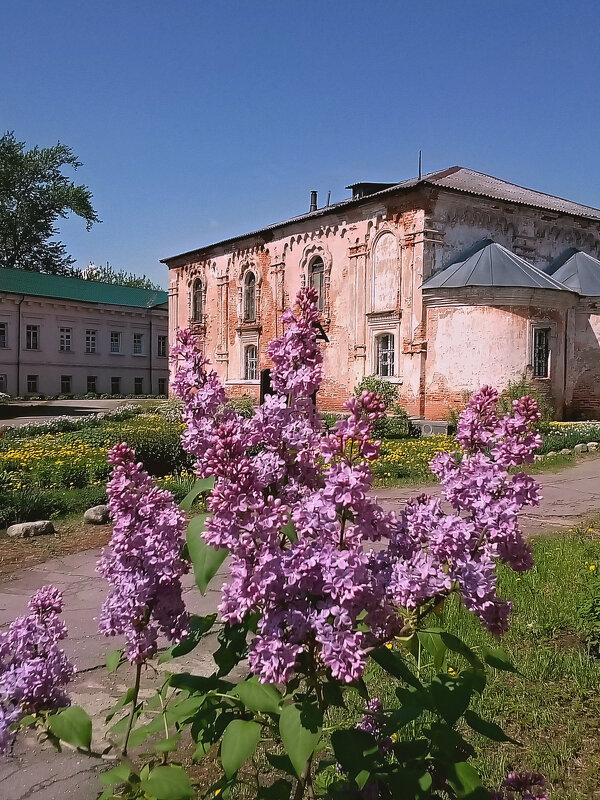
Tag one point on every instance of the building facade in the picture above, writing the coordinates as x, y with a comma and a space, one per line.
376, 261
65, 336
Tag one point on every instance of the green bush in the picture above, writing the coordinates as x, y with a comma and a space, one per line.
395, 426
386, 390
33, 503
243, 405
517, 389
329, 418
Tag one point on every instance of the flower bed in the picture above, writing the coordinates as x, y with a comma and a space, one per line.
559, 435
409, 458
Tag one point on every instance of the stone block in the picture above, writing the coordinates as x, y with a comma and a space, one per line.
591, 446
551, 454
98, 515
25, 530
580, 448
565, 451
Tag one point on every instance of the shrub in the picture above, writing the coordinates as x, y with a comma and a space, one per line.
386, 390
32, 503
329, 418
243, 405
517, 389
395, 426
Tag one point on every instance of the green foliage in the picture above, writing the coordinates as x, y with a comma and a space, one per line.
119, 277
329, 418
33, 503
34, 194
519, 388
72, 725
385, 389
397, 425
243, 405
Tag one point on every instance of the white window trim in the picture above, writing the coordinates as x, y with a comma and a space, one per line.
377, 329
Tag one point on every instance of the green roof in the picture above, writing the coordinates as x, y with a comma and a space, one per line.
38, 284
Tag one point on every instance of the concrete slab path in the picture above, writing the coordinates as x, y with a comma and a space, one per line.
31, 773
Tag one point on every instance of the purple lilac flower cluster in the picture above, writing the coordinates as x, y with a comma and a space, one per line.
34, 670
143, 563
522, 786
291, 503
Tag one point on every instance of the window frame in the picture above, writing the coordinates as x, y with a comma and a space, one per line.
32, 332
65, 339
249, 290
163, 383
162, 345
383, 355
138, 344
115, 379
3, 336
93, 378
317, 267
116, 339
35, 379
91, 341
138, 382
538, 329
66, 380
251, 371
4, 382
197, 303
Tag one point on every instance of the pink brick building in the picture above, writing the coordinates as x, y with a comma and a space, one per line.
439, 284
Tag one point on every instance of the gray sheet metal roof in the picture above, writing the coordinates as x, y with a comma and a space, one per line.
487, 263
577, 270
459, 179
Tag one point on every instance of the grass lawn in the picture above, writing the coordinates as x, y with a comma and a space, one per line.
552, 706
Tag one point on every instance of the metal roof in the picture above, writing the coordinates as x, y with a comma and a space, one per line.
458, 179
38, 284
577, 270
488, 263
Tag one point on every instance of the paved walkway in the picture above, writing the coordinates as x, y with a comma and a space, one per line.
570, 496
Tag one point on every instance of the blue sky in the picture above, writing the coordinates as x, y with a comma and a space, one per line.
197, 121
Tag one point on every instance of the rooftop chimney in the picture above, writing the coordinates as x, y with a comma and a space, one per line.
313, 201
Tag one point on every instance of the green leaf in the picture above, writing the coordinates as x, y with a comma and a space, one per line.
434, 645
123, 701
280, 790
113, 660
73, 726
203, 485
333, 695
115, 775
168, 783
488, 729
300, 729
281, 762
451, 696
167, 745
455, 644
139, 735
259, 696
391, 662
233, 647
498, 658
238, 744
357, 752
465, 781
289, 530
199, 627
206, 560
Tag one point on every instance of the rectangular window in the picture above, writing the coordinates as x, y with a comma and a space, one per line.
66, 384
162, 346
162, 386
541, 352
137, 344
90, 341
115, 385
32, 339
92, 384
385, 355
3, 332
138, 386
65, 340
3, 383
32, 384
251, 363
115, 341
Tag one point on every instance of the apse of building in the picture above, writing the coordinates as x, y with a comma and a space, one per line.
438, 284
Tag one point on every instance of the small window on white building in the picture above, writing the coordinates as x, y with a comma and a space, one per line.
197, 301
249, 297
32, 384
251, 363
92, 384
3, 383
90, 341
162, 386
541, 352
138, 344
3, 335
65, 340
316, 278
115, 341
115, 385
384, 345
138, 386
162, 346
66, 384
32, 338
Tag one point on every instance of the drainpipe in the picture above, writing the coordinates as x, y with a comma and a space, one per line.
150, 354
19, 346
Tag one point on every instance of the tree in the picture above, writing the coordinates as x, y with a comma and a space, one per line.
34, 194
120, 277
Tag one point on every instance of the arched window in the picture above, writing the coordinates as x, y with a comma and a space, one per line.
385, 355
197, 300
249, 297
250, 363
316, 277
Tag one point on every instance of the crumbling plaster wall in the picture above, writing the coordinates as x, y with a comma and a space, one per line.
584, 366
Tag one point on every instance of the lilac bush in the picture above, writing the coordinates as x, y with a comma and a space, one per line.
34, 669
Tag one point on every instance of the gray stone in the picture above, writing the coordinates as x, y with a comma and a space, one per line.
592, 446
538, 457
98, 515
565, 451
24, 530
580, 448
551, 454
